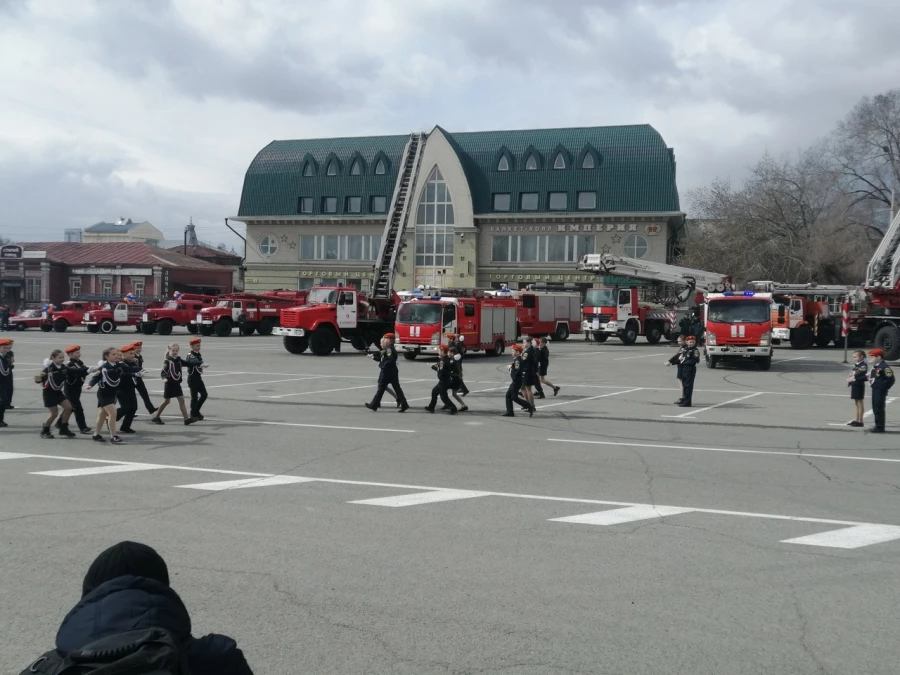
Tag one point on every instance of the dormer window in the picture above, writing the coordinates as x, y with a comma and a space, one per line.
531, 163
355, 168
332, 169
559, 162
380, 168
308, 170
503, 164
588, 161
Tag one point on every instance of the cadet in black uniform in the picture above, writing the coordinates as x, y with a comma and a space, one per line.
882, 380
388, 375
530, 366
75, 376
445, 375
195, 366
676, 360
6, 376
517, 377
108, 377
126, 394
171, 374
689, 361
139, 384
543, 354
53, 379
857, 384
456, 381
459, 342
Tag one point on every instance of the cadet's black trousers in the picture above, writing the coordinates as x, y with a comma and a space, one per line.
512, 396
441, 389
879, 400
74, 396
385, 381
145, 396
128, 406
687, 384
198, 394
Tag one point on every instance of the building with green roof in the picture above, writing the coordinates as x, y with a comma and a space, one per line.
484, 208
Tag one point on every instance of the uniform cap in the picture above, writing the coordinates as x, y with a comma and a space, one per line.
691, 338
195, 341
137, 343
444, 348
451, 336
517, 348
390, 335
6, 341
127, 348
72, 348
876, 352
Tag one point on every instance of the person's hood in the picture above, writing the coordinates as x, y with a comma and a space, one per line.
119, 605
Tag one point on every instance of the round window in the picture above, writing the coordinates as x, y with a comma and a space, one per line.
268, 245
635, 246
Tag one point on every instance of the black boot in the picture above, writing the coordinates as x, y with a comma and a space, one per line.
371, 407
46, 433
64, 431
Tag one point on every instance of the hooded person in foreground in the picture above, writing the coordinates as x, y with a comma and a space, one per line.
127, 588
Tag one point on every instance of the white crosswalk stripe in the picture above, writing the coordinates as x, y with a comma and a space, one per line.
422, 498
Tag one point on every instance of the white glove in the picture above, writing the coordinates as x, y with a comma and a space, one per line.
457, 357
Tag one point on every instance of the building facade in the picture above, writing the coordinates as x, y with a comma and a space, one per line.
121, 231
486, 208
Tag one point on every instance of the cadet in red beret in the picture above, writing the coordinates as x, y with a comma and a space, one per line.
195, 366
444, 368
75, 377
517, 380
881, 379
139, 382
6, 378
388, 375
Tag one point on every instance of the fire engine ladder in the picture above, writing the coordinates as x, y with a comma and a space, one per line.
398, 214
884, 267
643, 270
776, 288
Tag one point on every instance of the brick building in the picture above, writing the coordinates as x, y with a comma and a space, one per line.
34, 274
485, 208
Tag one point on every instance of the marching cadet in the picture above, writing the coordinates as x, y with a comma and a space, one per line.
529, 366
75, 377
677, 360
444, 370
6, 378
857, 384
126, 393
543, 360
139, 384
53, 379
195, 365
689, 360
171, 374
108, 377
517, 377
882, 379
459, 342
456, 381
388, 375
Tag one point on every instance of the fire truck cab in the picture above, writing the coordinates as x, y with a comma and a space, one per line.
738, 327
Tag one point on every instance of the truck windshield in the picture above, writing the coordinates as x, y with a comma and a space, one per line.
600, 297
739, 311
419, 312
223, 303
170, 304
326, 296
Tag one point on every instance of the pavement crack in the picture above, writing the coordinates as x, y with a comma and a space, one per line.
804, 632
822, 473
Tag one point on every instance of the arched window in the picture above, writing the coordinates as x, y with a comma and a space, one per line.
503, 164
559, 162
531, 163
308, 169
434, 223
268, 245
635, 246
588, 161
380, 168
355, 168
332, 169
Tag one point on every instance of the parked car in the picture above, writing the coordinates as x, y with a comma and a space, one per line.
27, 318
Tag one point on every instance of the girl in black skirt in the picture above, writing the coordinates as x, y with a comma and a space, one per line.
857, 384
53, 378
171, 375
108, 378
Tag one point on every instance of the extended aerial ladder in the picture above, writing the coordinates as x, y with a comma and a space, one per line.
398, 214
644, 270
883, 271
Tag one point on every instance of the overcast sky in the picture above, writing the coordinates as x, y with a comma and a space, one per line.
153, 109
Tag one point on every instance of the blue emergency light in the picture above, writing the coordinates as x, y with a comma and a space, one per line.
749, 294
728, 294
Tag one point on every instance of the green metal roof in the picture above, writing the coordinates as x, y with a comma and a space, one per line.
634, 170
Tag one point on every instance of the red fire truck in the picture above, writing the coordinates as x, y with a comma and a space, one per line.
181, 310
739, 327
109, 317
544, 309
70, 313
248, 311
486, 319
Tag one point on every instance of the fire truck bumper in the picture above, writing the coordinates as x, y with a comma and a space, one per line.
781, 333
418, 349
205, 322
738, 351
289, 332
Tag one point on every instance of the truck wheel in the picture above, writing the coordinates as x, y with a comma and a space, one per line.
321, 342
21, 326
802, 338
358, 343
192, 328
629, 335
148, 327
765, 363
265, 327
499, 348
46, 327
654, 333
712, 361
822, 340
296, 345
888, 339
107, 326
90, 329
60, 325
600, 337
562, 332
247, 329
223, 327
164, 327
205, 331
410, 356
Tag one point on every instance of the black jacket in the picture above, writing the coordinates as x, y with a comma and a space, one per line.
129, 603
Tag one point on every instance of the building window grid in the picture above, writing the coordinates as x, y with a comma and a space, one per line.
347, 247
75, 287
106, 286
434, 223
636, 246
353, 205
33, 289
528, 201
587, 200
541, 248
306, 204
268, 244
137, 287
329, 204
379, 204
501, 201
558, 201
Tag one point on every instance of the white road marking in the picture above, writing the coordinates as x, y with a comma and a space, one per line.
248, 483
732, 450
798, 358
473, 391
371, 386
13, 455
512, 495
422, 498
887, 402
312, 426
717, 405
711, 391
642, 356
251, 384
619, 516
590, 398
850, 537
97, 470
